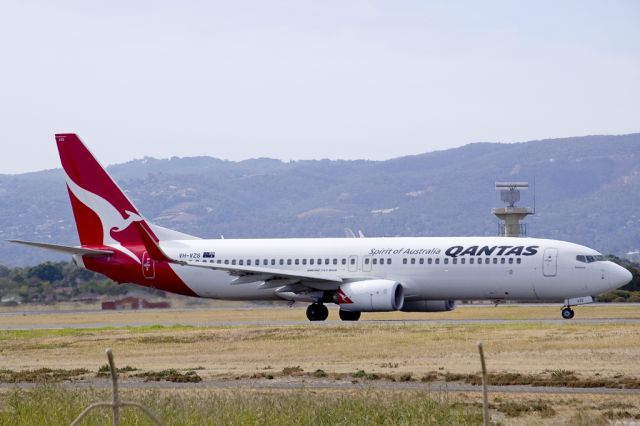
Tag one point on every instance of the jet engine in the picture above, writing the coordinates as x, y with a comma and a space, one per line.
370, 296
428, 305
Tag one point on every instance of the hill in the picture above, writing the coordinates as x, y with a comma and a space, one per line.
587, 191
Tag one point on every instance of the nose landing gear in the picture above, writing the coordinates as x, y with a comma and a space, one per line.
317, 312
567, 312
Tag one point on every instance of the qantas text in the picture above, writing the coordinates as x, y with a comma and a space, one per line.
456, 251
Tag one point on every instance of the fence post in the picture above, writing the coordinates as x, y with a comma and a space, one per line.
485, 397
114, 378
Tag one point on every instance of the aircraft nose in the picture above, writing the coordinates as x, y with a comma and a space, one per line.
619, 276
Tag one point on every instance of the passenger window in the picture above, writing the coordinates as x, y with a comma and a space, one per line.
413, 260
502, 260
430, 261
297, 261
389, 261
353, 260
463, 260
471, 261
326, 261
510, 260
233, 262
455, 260
495, 260
311, 261
265, 262
487, 261
404, 261
240, 262
375, 261
281, 261
421, 260
335, 261
319, 261
248, 262
437, 261
219, 261
519, 261
446, 261
366, 261
304, 261
344, 261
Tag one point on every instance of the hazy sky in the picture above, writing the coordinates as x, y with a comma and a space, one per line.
310, 79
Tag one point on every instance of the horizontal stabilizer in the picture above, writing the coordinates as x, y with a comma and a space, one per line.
65, 249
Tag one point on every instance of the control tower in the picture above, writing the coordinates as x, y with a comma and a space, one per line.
512, 215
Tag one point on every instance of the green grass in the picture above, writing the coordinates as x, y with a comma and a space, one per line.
52, 405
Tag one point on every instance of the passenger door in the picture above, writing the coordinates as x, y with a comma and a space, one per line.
550, 262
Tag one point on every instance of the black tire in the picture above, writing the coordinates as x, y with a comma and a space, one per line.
323, 312
349, 315
567, 313
317, 312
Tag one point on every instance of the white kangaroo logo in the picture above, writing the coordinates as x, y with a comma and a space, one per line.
110, 218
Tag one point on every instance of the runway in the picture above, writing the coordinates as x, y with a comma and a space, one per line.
283, 316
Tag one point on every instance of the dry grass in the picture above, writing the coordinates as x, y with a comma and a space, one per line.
236, 312
589, 349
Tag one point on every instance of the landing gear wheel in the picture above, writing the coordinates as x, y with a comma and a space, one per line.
349, 315
317, 312
567, 313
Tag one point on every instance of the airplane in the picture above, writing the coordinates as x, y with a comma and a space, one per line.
410, 274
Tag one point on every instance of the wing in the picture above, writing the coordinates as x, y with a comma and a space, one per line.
65, 249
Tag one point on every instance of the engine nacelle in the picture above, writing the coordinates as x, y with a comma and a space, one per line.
428, 305
370, 296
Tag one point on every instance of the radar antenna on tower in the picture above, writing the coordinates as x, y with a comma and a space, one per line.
511, 215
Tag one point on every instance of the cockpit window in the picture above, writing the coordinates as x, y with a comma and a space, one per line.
589, 258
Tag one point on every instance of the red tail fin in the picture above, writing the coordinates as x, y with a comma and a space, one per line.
102, 211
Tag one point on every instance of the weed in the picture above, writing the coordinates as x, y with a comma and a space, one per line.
319, 373
292, 371
389, 365
170, 375
105, 370
431, 376
40, 375
405, 377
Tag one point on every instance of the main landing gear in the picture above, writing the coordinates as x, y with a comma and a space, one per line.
567, 312
317, 312
349, 316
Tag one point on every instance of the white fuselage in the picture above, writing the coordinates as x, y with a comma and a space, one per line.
435, 268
